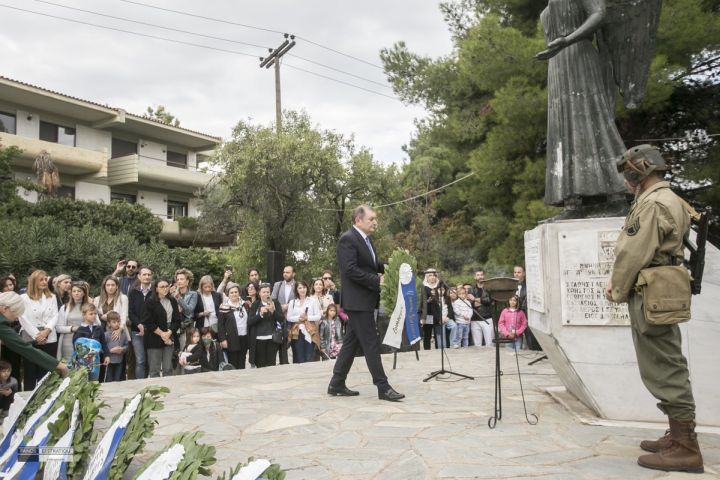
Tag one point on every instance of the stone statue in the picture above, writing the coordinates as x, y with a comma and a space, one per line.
583, 143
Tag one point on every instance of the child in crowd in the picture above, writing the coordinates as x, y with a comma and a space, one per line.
8, 388
330, 333
117, 347
463, 314
212, 355
512, 323
89, 343
192, 353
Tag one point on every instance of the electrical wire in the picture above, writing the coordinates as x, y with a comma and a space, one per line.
198, 45
244, 25
264, 47
673, 138
211, 37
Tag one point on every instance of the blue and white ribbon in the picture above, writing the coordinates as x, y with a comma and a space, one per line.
102, 458
404, 316
56, 465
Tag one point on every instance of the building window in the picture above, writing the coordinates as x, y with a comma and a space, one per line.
66, 192
121, 148
122, 197
7, 122
51, 132
176, 209
175, 159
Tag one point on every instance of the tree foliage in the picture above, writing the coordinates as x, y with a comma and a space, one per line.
162, 115
292, 192
487, 107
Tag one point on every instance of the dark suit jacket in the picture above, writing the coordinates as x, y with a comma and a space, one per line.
200, 307
227, 330
359, 278
153, 316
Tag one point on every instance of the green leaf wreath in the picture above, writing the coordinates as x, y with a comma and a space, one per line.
140, 427
196, 461
389, 291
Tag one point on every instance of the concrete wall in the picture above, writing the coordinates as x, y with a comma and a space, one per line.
156, 202
154, 150
28, 128
93, 139
92, 191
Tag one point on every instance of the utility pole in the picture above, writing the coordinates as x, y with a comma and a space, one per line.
273, 59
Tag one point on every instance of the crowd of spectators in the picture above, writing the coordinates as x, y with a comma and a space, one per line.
149, 327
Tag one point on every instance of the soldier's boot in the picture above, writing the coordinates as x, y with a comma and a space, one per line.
654, 446
680, 454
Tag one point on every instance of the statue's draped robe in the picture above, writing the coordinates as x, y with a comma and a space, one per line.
583, 143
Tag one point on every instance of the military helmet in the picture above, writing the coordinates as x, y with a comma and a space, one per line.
641, 161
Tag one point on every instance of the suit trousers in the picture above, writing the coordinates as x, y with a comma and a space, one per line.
361, 331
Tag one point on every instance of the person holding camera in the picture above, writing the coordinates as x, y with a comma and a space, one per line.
266, 319
130, 269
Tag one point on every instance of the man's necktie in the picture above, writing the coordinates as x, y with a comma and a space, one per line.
367, 241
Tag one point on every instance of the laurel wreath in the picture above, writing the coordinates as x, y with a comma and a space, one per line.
389, 291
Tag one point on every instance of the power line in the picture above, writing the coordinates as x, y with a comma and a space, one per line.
244, 25
151, 24
410, 198
212, 37
198, 45
673, 138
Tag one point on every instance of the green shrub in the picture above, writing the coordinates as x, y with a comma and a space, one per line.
119, 218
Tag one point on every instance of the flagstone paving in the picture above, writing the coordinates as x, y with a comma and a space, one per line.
439, 431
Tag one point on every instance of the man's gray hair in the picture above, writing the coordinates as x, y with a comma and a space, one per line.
359, 212
13, 301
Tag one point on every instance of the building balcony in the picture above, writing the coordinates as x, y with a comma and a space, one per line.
69, 160
175, 235
150, 172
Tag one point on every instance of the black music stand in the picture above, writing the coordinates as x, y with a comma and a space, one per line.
501, 289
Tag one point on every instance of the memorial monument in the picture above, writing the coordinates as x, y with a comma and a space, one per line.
595, 49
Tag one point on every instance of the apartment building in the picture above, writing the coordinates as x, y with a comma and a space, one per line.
107, 154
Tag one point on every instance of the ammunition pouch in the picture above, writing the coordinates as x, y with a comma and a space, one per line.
666, 294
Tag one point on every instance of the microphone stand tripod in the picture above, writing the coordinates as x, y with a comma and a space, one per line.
442, 370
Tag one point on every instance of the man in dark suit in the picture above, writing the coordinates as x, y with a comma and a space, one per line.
360, 277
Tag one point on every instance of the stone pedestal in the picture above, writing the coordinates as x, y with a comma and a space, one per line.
588, 340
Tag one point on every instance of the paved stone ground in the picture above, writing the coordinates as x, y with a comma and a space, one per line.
439, 431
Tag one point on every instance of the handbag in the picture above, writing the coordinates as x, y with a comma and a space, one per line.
277, 336
666, 294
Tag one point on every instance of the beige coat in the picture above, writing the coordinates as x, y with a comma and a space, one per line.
653, 233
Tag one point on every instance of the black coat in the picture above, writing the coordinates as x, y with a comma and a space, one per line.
359, 277
200, 307
227, 330
265, 324
153, 316
136, 304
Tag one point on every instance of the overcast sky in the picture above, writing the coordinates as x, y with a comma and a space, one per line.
210, 91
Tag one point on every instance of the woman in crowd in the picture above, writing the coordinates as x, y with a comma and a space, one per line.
449, 326
61, 285
233, 328
112, 299
207, 310
512, 323
323, 299
161, 316
8, 283
251, 295
266, 317
212, 352
70, 318
187, 299
12, 306
430, 310
38, 323
303, 315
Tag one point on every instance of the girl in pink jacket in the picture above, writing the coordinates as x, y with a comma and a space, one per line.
512, 323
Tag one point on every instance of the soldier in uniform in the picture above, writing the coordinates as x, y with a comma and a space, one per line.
653, 236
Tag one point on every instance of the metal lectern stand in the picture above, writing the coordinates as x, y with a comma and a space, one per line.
501, 290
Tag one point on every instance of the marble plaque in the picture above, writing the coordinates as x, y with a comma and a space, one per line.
586, 262
534, 275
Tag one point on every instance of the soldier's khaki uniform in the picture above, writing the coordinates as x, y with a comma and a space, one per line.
653, 236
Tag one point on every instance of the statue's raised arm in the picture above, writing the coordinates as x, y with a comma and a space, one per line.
582, 140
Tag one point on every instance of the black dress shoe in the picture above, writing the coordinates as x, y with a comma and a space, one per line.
390, 395
342, 391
